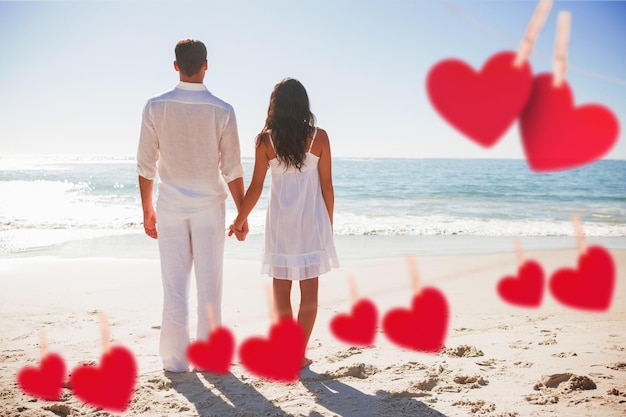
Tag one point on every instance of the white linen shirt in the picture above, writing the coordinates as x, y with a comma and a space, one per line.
193, 136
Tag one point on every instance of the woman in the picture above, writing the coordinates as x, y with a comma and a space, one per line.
298, 231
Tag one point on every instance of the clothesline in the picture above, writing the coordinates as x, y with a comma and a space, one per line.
513, 44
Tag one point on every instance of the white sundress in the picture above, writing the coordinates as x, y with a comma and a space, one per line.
298, 234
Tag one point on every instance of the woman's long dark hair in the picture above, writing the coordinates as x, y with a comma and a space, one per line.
289, 122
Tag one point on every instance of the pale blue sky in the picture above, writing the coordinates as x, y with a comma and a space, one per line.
75, 75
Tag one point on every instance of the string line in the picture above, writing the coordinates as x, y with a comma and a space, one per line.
513, 44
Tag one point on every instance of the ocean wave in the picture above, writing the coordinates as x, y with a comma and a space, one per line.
67, 198
477, 227
57, 162
19, 237
99, 216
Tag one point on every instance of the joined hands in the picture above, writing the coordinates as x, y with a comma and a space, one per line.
240, 233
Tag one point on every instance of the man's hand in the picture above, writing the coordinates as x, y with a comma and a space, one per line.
149, 215
149, 223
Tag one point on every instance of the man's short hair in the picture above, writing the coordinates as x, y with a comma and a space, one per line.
190, 56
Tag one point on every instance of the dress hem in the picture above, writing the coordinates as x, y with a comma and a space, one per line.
299, 273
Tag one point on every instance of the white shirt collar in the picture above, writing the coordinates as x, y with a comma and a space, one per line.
191, 86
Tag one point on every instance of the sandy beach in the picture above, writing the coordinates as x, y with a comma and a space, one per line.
499, 359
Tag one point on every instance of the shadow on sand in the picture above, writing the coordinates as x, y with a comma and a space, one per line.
315, 395
222, 395
346, 401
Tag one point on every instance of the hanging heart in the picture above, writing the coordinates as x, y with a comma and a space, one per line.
557, 135
526, 289
216, 354
278, 357
44, 381
109, 386
484, 104
591, 285
423, 327
359, 327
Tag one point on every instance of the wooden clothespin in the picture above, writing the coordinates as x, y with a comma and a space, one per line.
43, 343
518, 252
532, 32
272, 305
415, 278
354, 295
580, 234
560, 48
106, 334
211, 316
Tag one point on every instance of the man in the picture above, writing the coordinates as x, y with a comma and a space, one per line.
193, 136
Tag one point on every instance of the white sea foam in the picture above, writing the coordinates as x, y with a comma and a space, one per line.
47, 201
61, 205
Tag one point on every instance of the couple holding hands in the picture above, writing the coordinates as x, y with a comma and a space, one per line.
189, 139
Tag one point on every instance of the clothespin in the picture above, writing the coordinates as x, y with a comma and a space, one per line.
519, 252
354, 295
272, 305
106, 334
211, 316
560, 48
580, 234
43, 343
532, 32
414, 274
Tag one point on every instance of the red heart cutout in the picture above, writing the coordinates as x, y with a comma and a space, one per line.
214, 355
109, 386
482, 105
556, 135
590, 287
278, 358
424, 326
359, 327
45, 381
527, 288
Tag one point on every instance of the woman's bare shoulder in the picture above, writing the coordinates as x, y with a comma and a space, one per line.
322, 136
263, 145
321, 144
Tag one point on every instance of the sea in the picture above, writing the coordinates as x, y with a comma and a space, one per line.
84, 206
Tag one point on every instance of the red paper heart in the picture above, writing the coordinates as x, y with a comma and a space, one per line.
590, 287
558, 136
214, 355
109, 386
45, 381
527, 288
424, 326
278, 358
482, 105
359, 327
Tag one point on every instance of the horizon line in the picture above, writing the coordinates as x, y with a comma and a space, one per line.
126, 156
130, 157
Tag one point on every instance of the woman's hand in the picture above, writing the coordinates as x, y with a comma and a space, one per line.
240, 232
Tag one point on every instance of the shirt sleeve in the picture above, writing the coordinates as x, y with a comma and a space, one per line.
230, 153
148, 149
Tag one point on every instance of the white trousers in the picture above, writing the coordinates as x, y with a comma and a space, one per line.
196, 240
